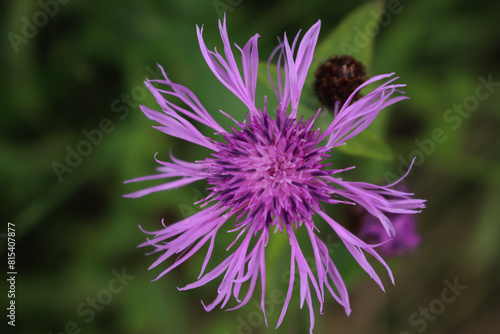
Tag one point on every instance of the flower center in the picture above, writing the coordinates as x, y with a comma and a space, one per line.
269, 170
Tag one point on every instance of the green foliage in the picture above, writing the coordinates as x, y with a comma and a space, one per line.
351, 36
88, 63
368, 145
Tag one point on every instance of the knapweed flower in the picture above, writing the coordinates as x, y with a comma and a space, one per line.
337, 78
405, 239
271, 173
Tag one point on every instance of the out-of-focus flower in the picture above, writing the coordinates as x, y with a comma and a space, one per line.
270, 173
405, 239
337, 79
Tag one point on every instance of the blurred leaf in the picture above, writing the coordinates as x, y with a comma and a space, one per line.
367, 144
484, 247
353, 35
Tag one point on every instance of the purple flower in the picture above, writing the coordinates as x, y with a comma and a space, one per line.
270, 173
405, 239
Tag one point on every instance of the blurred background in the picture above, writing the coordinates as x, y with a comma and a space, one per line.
72, 132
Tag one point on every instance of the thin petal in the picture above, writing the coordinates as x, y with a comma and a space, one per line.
227, 71
356, 247
298, 66
197, 111
305, 274
356, 117
165, 186
177, 126
186, 237
378, 200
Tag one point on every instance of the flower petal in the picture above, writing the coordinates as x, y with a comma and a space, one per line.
305, 274
227, 71
296, 68
186, 96
356, 117
186, 236
165, 186
378, 200
356, 247
325, 265
240, 266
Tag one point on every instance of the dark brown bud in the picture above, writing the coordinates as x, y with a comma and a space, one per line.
337, 79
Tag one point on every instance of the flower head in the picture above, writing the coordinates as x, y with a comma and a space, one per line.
270, 174
405, 239
337, 78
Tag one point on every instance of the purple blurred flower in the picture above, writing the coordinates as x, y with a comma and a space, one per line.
405, 239
270, 174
